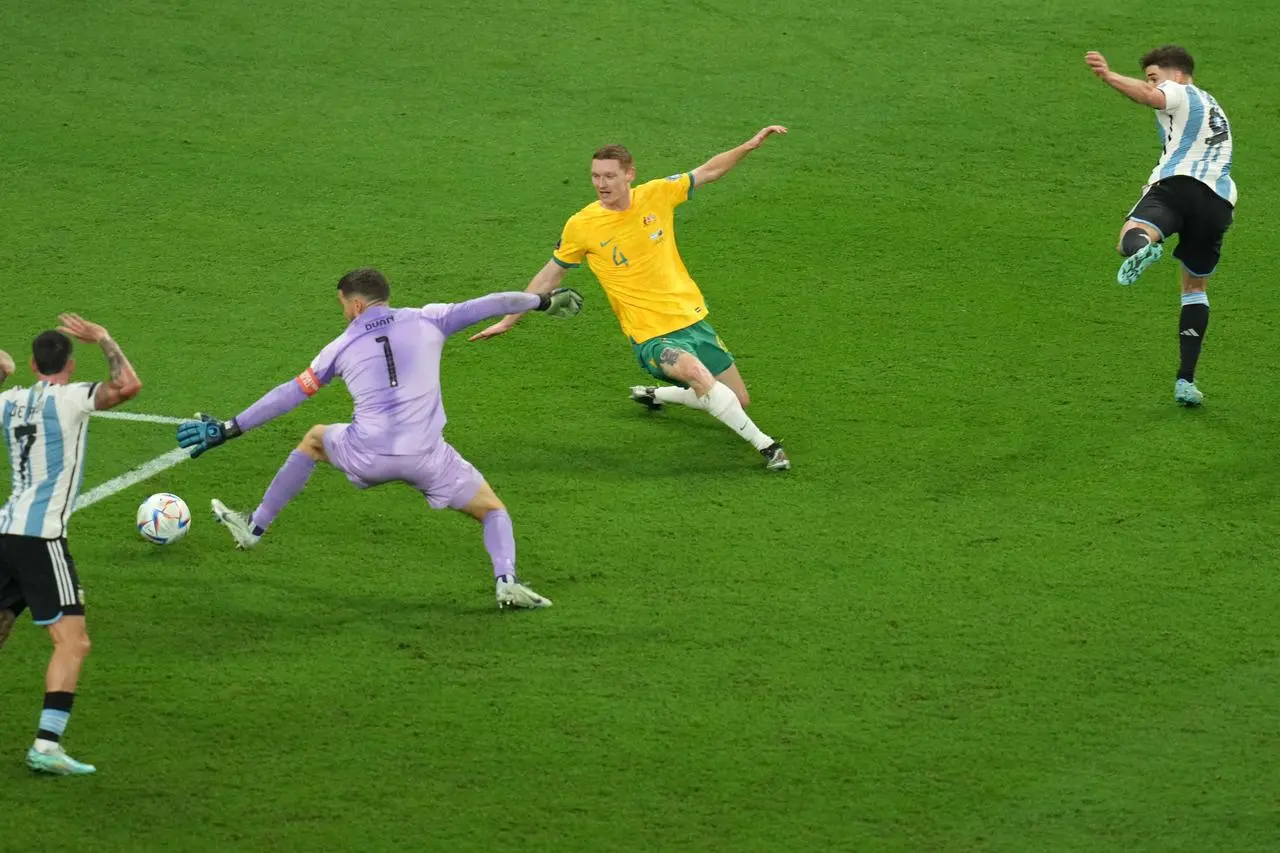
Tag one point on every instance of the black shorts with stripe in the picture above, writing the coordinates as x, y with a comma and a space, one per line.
39, 574
1189, 208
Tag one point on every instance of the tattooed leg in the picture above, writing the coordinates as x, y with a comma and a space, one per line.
715, 397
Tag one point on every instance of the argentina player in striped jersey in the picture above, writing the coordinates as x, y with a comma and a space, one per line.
45, 431
1190, 192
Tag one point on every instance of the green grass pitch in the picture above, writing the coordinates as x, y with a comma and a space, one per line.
1010, 599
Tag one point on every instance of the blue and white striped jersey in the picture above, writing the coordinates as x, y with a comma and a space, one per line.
1196, 137
45, 431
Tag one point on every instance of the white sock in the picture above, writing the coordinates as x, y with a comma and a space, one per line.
723, 405
681, 396
47, 746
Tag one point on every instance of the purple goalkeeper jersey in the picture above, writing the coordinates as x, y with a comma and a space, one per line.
390, 361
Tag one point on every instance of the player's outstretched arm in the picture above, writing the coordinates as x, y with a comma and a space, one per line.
123, 383
1138, 91
561, 302
208, 432
6, 366
715, 168
546, 280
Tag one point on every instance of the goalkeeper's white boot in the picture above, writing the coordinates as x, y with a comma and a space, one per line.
238, 523
647, 396
512, 593
775, 458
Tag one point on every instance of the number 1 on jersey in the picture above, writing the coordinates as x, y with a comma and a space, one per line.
391, 360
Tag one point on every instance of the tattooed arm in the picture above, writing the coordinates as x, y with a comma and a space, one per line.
123, 383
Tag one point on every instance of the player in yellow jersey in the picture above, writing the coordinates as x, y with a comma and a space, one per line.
627, 237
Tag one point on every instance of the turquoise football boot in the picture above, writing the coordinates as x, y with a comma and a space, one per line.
1137, 263
58, 763
1187, 394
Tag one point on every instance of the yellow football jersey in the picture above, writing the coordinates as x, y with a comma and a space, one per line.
633, 254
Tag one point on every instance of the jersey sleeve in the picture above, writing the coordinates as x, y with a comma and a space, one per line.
437, 313
1175, 96
82, 396
675, 190
454, 317
571, 248
322, 369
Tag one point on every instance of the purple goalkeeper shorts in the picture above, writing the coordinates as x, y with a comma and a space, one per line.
441, 473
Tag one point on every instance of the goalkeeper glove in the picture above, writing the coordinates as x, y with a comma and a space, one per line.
561, 302
206, 433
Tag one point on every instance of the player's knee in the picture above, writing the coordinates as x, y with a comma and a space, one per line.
482, 503
692, 372
309, 449
744, 398
701, 381
74, 643
313, 443
491, 502
1133, 241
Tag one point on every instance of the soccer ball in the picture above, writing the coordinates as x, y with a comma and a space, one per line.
163, 519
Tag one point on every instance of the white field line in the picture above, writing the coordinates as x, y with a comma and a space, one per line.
129, 478
145, 471
148, 419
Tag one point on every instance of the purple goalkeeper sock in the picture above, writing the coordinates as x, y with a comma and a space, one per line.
289, 480
500, 542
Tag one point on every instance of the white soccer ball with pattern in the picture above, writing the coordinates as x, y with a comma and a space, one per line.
163, 519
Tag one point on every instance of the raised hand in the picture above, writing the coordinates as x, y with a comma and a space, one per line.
81, 329
1097, 63
6, 365
765, 133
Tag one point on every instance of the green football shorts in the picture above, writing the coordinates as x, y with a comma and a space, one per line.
699, 340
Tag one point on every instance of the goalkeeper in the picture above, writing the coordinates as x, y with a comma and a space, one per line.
390, 361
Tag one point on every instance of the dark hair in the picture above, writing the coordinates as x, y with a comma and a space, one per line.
614, 152
1170, 56
366, 282
52, 351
